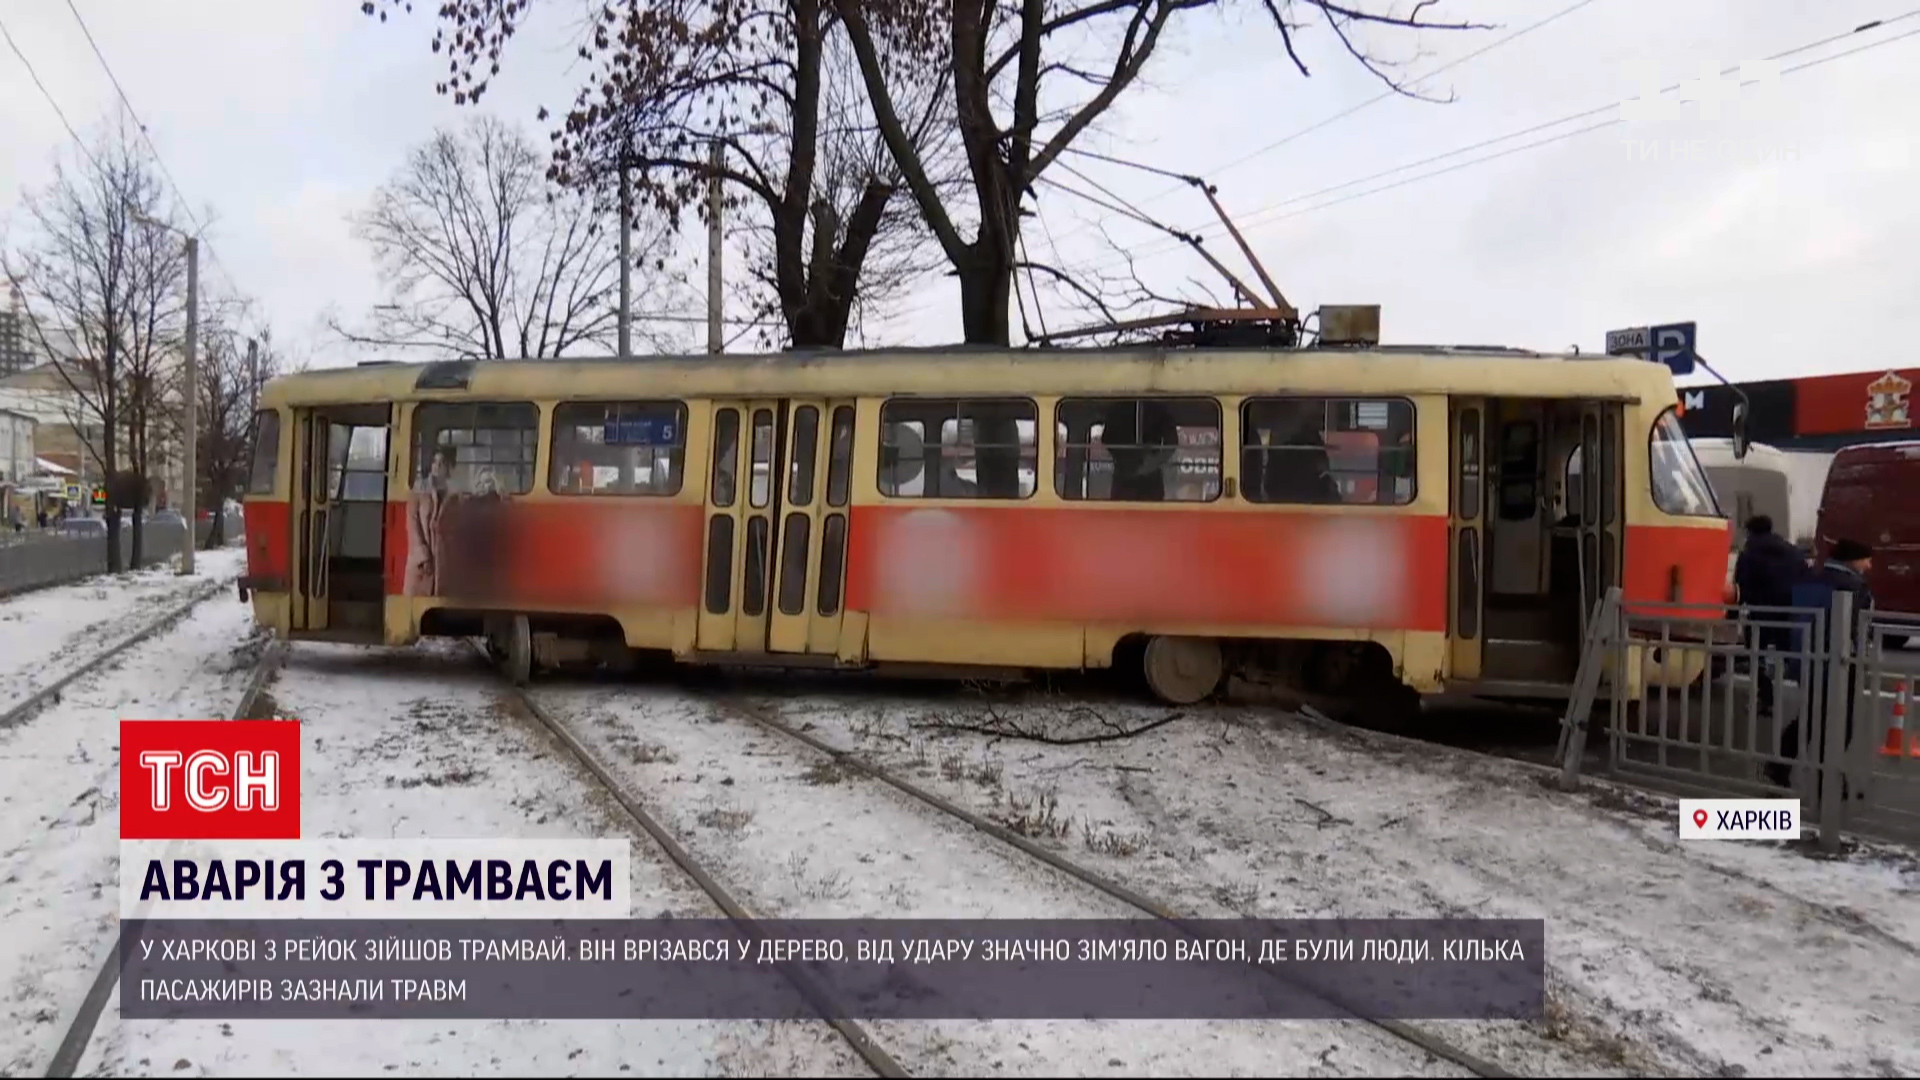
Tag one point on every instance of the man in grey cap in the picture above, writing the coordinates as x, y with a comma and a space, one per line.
1845, 570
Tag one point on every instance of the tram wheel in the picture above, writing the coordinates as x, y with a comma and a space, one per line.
1182, 670
519, 658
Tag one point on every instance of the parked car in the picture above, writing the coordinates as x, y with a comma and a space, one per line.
82, 527
167, 517
1869, 498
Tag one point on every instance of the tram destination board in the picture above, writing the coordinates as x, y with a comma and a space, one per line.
868, 969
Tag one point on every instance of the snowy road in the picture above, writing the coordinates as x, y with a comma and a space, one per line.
59, 811
45, 633
1663, 958
792, 837
425, 743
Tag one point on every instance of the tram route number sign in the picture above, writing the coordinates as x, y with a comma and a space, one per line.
1671, 345
640, 432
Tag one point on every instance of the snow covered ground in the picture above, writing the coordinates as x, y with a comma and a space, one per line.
59, 809
46, 633
1663, 958
792, 837
1715, 959
424, 743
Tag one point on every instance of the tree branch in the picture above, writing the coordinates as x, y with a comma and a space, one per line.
905, 154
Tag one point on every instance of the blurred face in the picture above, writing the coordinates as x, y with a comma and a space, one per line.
1862, 565
440, 468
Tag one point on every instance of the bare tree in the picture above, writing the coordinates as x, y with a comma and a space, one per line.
772, 83
155, 387
1024, 89
106, 285
482, 260
229, 396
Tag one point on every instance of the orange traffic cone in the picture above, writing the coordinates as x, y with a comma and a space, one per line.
1897, 727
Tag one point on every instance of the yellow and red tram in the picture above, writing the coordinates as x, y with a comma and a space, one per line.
1449, 513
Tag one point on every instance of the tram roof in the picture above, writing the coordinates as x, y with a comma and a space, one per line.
991, 371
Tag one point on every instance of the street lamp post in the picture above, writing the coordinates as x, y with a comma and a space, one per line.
189, 508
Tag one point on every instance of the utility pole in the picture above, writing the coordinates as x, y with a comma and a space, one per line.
253, 374
626, 262
715, 341
191, 406
192, 425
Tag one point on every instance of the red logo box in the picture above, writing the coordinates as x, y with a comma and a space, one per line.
209, 780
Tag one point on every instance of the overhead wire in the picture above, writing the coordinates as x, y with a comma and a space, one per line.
1267, 215
1186, 179
186, 206
44, 92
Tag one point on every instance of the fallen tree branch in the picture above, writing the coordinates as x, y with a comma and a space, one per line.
1001, 727
1326, 818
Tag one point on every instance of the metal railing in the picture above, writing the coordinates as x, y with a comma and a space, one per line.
37, 558
1704, 701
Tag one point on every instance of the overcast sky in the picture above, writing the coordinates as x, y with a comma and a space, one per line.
1785, 226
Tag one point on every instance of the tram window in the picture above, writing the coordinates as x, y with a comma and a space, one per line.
266, 452
793, 564
726, 455
840, 458
1137, 449
985, 448
833, 557
1680, 485
1334, 451
618, 448
719, 563
753, 597
760, 480
806, 430
492, 444
362, 476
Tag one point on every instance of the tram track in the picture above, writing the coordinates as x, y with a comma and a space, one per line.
1576, 1032
743, 708
79, 1032
42, 696
869, 1051
1398, 1029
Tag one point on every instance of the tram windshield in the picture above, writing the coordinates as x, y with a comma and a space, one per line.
1680, 485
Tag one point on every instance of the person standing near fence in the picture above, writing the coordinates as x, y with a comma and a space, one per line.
1765, 574
1844, 571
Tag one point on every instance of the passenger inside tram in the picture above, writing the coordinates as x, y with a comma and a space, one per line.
1285, 459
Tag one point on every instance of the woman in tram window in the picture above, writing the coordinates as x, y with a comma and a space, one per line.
424, 507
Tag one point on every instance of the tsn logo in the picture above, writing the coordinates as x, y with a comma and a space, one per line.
209, 780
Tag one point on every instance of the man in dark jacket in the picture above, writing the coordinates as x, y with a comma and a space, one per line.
1768, 567
1844, 571
1765, 574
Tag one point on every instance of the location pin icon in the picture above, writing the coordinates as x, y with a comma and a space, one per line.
1699, 819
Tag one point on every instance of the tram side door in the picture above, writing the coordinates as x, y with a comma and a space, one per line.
778, 493
742, 490
320, 443
812, 543
1467, 518
1601, 498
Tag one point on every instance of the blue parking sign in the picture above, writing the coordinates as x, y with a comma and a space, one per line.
1673, 345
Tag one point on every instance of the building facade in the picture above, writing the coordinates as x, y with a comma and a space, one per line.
13, 335
67, 431
1820, 413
